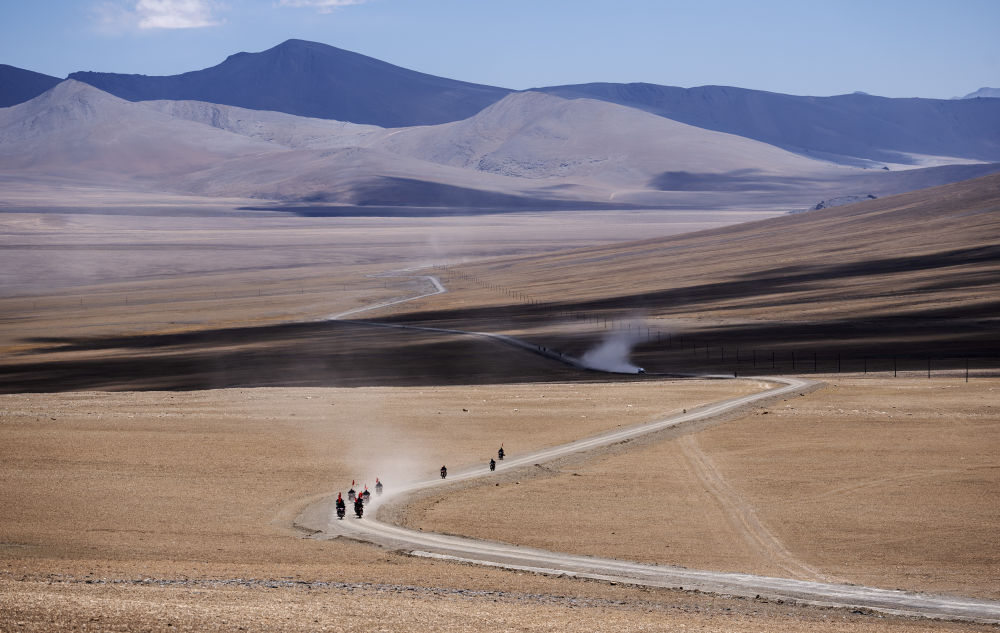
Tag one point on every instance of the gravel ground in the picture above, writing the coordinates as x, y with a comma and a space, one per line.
64, 603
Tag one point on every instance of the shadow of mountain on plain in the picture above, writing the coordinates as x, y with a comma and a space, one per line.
391, 191
754, 287
322, 354
347, 354
737, 180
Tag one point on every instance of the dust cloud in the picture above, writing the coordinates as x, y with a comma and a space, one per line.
612, 354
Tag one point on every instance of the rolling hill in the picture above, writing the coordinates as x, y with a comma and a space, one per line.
539, 137
527, 149
321, 81
77, 131
312, 80
849, 129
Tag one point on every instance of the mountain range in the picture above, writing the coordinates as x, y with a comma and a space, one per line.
18, 85
984, 92
307, 122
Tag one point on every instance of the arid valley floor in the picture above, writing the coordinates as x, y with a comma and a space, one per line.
173, 395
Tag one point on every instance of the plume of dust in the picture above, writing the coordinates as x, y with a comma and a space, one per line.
612, 353
389, 453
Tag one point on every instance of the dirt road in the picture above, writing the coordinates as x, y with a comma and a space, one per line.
320, 517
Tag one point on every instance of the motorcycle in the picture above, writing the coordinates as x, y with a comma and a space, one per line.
341, 511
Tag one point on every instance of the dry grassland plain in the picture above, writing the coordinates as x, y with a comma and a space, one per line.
173, 511
171, 508
881, 482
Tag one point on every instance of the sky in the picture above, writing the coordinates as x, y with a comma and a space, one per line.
893, 48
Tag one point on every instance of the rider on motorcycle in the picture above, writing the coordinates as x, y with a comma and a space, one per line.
366, 496
359, 506
378, 486
444, 472
500, 453
341, 506
493, 464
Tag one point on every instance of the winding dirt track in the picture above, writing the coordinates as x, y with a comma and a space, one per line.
467, 550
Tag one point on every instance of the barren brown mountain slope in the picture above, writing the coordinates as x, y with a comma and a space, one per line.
915, 275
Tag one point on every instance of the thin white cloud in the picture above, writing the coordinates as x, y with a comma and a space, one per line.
117, 17
174, 14
325, 6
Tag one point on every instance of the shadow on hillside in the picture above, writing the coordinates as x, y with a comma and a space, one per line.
738, 180
346, 354
761, 289
329, 354
907, 342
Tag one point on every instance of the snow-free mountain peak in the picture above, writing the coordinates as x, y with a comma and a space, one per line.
314, 80
984, 92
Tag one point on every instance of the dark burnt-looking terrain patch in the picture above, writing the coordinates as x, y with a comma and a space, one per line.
330, 354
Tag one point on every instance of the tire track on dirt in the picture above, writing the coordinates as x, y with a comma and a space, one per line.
741, 515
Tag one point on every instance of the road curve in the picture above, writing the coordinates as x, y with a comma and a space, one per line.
319, 518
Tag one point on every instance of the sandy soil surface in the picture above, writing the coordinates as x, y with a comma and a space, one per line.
899, 478
130, 510
218, 475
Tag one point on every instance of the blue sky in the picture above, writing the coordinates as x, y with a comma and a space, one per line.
895, 48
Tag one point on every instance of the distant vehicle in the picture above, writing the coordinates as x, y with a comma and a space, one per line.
444, 472
640, 371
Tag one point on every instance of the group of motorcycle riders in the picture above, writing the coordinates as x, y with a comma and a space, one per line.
361, 499
358, 499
